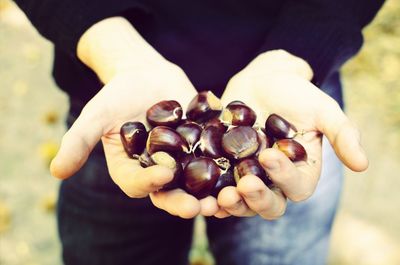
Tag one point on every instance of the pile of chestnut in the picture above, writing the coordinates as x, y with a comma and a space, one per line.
213, 147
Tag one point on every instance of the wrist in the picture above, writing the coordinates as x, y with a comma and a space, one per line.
113, 45
282, 62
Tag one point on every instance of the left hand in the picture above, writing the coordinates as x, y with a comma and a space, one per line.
278, 82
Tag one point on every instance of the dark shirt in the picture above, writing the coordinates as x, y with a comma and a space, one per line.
210, 40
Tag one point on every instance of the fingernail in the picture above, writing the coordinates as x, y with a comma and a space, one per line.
272, 165
255, 195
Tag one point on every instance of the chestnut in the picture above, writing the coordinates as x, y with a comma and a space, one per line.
133, 137
211, 142
165, 159
216, 122
279, 128
251, 166
224, 180
292, 149
239, 114
185, 159
240, 142
203, 107
190, 131
162, 138
200, 176
165, 113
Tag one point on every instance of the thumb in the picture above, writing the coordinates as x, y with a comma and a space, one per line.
343, 136
77, 143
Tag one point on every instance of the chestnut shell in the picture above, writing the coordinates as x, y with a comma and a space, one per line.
292, 149
133, 137
279, 128
191, 132
251, 166
239, 114
211, 142
240, 142
224, 180
165, 113
200, 176
203, 107
162, 138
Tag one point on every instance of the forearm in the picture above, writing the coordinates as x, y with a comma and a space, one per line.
113, 45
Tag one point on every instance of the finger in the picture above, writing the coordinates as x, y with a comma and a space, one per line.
297, 182
78, 142
233, 203
209, 206
268, 203
222, 213
176, 202
135, 181
343, 136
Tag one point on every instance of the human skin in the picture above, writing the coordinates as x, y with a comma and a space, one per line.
136, 76
278, 82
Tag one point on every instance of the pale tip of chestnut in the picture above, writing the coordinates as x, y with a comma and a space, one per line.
163, 159
238, 114
203, 107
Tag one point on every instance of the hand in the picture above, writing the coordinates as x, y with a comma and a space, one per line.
277, 82
135, 78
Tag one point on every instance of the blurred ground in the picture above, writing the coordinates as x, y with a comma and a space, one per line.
367, 229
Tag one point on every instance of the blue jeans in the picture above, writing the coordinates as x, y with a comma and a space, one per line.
99, 224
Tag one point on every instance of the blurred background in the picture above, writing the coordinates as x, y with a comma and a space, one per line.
32, 111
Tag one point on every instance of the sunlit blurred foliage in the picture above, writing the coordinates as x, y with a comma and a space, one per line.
375, 72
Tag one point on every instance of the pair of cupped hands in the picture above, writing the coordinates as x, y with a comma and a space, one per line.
136, 77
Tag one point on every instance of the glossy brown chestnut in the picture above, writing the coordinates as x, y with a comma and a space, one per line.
239, 114
211, 142
216, 122
226, 179
185, 159
292, 149
200, 176
162, 138
279, 128
133, 137
203, 107
191, 132
240, 142
165, 113
166, 160
251, 166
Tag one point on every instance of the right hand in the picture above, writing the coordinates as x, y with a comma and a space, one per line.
134, 81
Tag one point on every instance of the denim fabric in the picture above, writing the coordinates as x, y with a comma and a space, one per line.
300, 237
98, 224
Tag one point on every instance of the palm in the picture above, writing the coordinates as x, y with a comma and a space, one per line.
293, 98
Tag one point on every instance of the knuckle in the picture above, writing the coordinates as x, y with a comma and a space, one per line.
275, 215
299, 197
